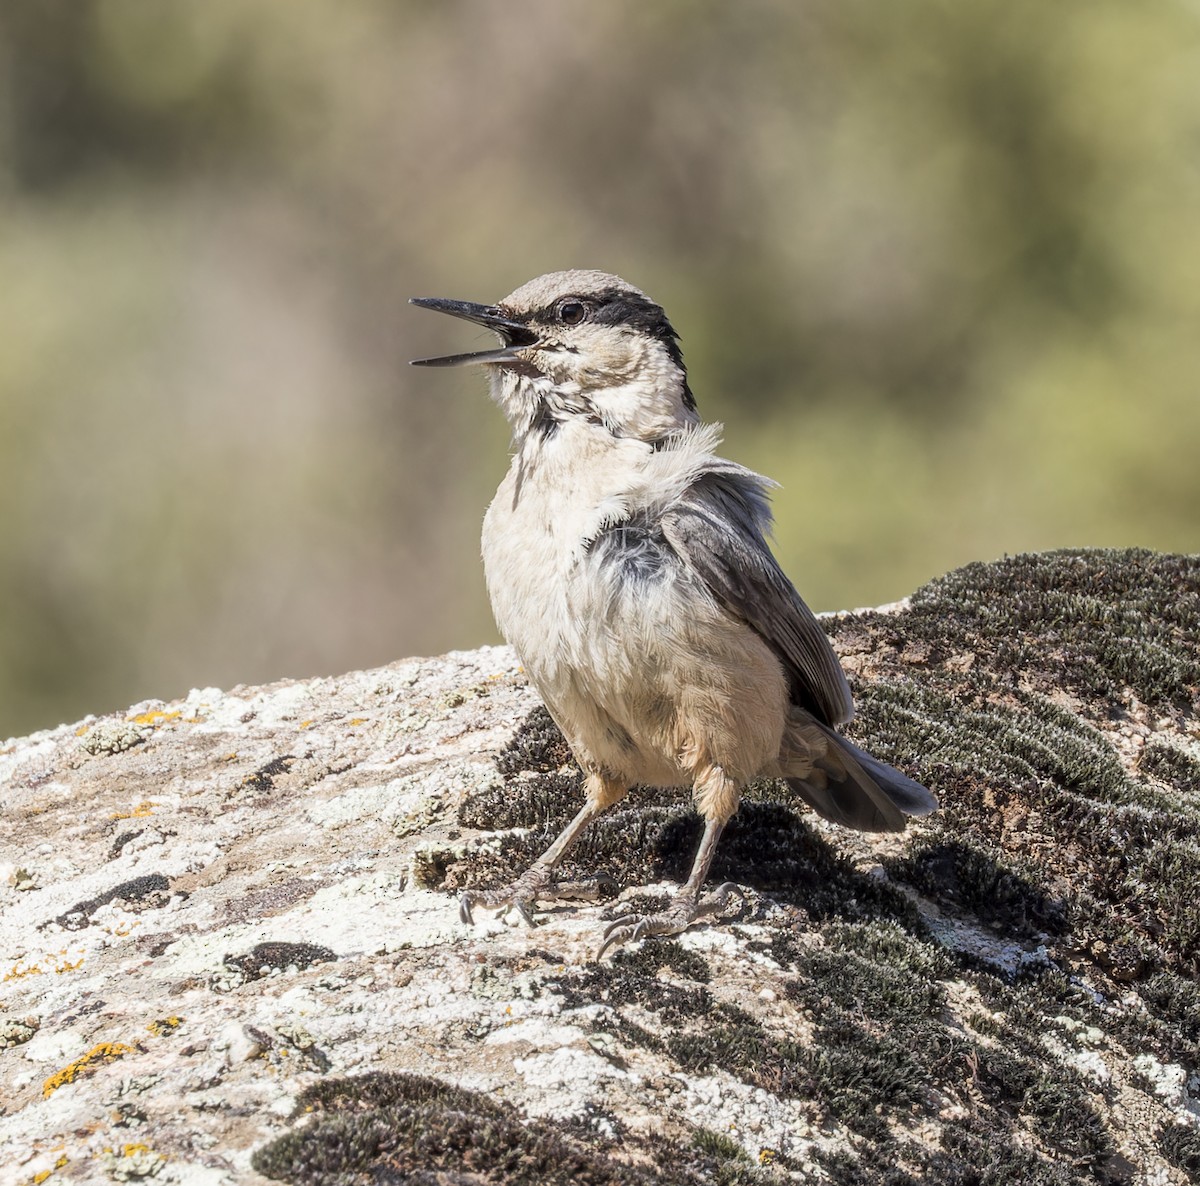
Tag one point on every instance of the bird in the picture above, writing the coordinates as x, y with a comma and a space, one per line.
627, 564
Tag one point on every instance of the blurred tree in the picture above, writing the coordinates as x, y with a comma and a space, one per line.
935, 264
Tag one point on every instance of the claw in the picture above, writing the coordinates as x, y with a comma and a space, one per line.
682, 911
717, 899
523, 895
523, 909
625, 930
626, 920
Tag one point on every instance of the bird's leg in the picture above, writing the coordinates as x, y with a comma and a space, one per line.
538, 881
717, 798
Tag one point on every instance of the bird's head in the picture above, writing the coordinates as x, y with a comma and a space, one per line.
579, 344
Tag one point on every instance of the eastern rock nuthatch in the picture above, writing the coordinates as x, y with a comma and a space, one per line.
627, 565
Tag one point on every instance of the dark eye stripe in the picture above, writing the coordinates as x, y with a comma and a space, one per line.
618, 306
615, 306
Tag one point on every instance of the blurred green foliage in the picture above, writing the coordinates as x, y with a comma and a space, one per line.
937, 265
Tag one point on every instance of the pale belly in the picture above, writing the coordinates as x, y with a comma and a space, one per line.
645, 674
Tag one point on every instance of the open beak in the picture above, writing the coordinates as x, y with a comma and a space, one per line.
515, 335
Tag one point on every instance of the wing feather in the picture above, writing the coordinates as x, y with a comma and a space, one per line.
717, 527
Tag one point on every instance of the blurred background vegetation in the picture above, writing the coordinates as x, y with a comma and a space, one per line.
935, 264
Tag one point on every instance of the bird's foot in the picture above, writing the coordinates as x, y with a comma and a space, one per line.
683, 910
537, 883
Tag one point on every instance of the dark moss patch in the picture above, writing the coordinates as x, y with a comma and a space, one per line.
768, 846
883, 1052
969, 879
149, 891
279, 956
731, 1040
1180, 1144
538, 745
549, 800
1172, 1029
121, 840
649, 958
1172, 766
263, 779
875, 970
1043, 832
974, 1156
772, 847
1096, 622
408, 1129
631, 979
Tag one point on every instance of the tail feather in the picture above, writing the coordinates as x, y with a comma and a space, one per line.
851, 788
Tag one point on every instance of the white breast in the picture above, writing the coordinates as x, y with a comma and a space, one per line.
629, 668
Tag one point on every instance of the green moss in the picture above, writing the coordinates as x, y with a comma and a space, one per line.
719, 1146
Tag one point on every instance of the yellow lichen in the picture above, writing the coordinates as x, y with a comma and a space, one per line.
143, 809
59, 964
156, 716
17, 971
164, 1025
99, 1056
358, 721
42, 1175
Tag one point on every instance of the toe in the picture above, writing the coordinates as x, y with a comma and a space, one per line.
525, 908
614, 937
464, 909
677, 917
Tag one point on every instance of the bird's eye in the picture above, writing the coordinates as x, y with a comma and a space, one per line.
572, 312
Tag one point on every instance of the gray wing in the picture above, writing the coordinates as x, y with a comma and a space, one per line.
717, 527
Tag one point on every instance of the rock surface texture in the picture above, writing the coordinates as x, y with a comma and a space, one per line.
230, 950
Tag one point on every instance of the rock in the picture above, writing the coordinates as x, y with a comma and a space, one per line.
230, 950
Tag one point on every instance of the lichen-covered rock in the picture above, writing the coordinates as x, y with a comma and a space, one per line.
229, 951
